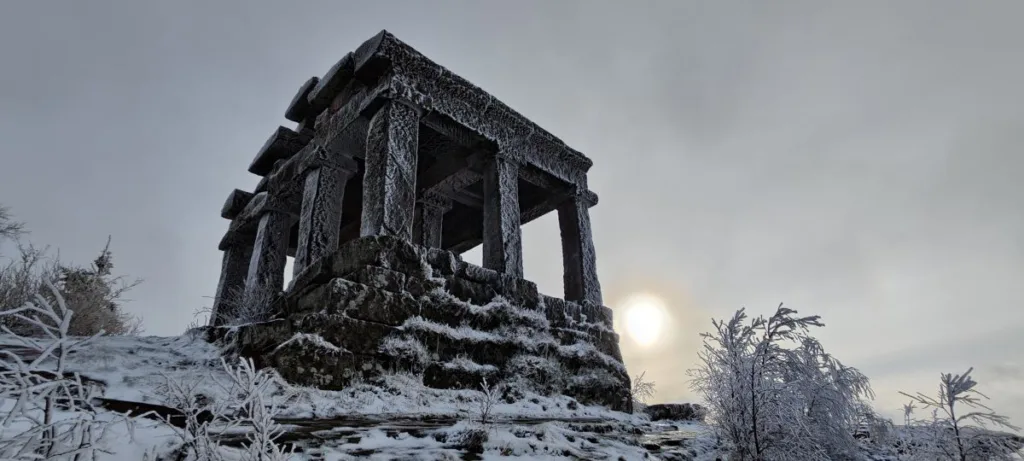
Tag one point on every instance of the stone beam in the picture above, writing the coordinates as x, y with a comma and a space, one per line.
502, 235
282, 145
326, 88
233, 273
326, 174
235, 203
579, 259
389, 182
440, 91
300, 108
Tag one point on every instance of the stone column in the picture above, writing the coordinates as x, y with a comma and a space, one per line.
503, 242
389, 181
233, 271
579, 259
430, 212
265, 278
326, 175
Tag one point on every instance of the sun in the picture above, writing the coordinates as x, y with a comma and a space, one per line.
645, 316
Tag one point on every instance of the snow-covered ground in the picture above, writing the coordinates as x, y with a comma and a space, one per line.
397, 418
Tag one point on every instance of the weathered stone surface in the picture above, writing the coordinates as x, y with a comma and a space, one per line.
578, 256
321, 95
503, 242
430, 211
320, 216
357, 336
233, 272
299, 109
676, 412
361, 302
281, 145
307, 363
379, 277
444, 375
389, 184
470, 291
265, 278
235, 203
444, 263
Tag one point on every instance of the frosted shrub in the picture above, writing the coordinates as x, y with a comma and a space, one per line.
774, 393
46, 411
640, 391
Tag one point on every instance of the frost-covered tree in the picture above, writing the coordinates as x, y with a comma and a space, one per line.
92, 292
774, 393
962, 424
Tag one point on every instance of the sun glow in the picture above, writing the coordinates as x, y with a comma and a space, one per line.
645, 316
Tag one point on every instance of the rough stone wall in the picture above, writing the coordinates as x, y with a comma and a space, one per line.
382, 304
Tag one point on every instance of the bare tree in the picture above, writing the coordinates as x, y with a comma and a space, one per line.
641, 391
960, 413
9, 228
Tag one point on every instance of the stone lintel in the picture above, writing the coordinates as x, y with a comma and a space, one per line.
316, 157
330, 85
389, 182
579, 258
299, 109
233, 273
248, 219
281, 145
235, 203
351, 121
458, 132
502, 235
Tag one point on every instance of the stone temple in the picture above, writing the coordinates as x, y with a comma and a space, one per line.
395, 168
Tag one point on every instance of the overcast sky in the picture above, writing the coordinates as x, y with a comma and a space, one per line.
858, 160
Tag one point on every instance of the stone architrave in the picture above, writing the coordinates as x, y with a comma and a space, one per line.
233, 272
265, 278
579, 259
389, 180
502, 236
326, 175
430, 212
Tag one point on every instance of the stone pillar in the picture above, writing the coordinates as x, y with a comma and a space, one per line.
265, 278
389, 181
503, 241
430, 212
233, 271
579, 259
326, 175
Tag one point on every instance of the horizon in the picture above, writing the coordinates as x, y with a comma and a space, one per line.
854, 161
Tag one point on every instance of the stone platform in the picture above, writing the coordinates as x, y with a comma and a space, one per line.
381, 304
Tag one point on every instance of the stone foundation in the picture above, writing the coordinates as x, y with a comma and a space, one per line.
382, 304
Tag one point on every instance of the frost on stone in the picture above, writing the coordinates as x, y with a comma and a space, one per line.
409, 349
462, 332
311, 339
465, 363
